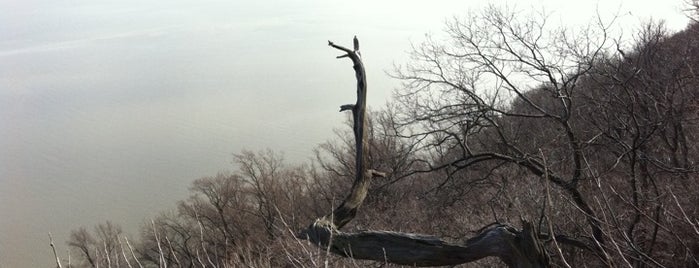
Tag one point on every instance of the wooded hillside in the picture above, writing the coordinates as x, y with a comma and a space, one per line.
587, 144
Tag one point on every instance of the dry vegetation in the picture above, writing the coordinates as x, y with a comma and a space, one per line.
593, 142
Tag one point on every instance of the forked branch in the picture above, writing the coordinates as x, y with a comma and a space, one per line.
516, 248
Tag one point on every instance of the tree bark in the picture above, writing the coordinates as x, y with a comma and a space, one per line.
517, 248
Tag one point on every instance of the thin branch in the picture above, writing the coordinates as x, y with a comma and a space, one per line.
53, 247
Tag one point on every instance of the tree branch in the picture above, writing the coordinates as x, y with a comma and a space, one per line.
516, 248
53, 247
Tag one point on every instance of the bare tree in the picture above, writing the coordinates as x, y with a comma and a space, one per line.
508, 98
103, 248
264, 174
232, 219
645, 113
516, 248
526, 103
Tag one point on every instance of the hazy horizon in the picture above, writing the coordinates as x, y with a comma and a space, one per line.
108, 110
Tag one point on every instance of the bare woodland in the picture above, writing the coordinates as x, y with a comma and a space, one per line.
510, 143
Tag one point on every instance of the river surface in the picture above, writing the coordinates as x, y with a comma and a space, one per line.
66, 163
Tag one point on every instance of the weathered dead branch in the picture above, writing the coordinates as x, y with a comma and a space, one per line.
517, 248
53, 248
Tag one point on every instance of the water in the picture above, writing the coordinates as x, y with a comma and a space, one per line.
64, 169
117, 130
120, 137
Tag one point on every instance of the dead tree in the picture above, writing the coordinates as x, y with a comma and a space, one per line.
517, 248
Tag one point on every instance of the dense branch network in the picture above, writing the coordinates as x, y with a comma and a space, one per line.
517, 248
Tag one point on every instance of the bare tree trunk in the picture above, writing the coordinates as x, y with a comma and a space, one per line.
514, 247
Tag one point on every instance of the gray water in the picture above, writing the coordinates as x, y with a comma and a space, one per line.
112, 119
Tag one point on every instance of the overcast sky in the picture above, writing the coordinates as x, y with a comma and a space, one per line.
109, 109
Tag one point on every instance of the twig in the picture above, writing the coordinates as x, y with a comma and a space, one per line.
684, 214
53, 247
106, 253
201, 236
123, 253
548, 206
162, 262
199, 259
173, 252
132, 252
